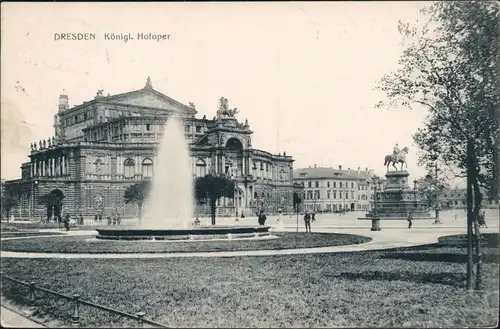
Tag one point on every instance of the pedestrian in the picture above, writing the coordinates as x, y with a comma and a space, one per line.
100, 218
66, 221
95, 218
313, 216
262, 217
109, 220
410, 219
307, 221
482, 219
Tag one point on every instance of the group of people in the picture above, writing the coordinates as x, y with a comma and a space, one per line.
308, 217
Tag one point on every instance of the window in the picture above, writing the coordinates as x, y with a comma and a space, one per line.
328, 194
186, 129
316, 184
327, 184
347, 195
147, 168
334, 194
352, 185
340, 184
148, 127
334, 184
352, 195
198, 129
129, 170
309, 184
201, 168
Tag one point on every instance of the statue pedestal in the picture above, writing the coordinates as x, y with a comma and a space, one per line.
397, 199
375, 225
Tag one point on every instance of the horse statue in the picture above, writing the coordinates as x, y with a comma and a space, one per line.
396, 158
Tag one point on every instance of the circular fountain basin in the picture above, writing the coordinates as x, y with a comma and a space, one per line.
203, 232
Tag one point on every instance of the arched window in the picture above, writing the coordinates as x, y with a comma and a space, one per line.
201, 168
147, 168
129, 168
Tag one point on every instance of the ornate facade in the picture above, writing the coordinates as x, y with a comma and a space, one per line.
104, 145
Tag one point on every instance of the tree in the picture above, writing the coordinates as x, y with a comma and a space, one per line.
10, 198
426, 188
212, 187
137, 193
297, 200
449, 66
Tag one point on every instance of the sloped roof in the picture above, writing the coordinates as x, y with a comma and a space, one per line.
330, 173
128, 98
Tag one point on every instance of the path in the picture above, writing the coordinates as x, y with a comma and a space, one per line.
12, 319
394, 234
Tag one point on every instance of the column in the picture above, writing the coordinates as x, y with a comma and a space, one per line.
243, 166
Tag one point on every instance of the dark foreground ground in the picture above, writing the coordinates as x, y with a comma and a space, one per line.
412, 287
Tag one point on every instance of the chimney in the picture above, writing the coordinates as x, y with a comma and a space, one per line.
63, 102
340, 167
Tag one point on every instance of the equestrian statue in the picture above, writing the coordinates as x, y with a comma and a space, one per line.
397, 156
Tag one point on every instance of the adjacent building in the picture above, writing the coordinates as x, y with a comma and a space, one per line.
456, 198
329, 189
102, 146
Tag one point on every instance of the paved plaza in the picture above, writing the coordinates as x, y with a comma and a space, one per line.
394, 234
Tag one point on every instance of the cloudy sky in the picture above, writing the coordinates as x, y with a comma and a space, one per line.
302, 73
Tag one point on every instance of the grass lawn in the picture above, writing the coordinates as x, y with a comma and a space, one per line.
19, 234
411, 287
81, 244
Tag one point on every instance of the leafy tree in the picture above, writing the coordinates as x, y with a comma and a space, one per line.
297, 201
137, 194
53, 201
10, 198
449, 66
429, 186
211, 188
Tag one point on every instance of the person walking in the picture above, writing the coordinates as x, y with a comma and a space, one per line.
307, 222
410, 219
66, 221
262, 217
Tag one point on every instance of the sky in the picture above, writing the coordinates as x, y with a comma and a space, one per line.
303, 74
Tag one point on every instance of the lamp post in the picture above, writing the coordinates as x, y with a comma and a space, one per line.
35, 183
375, 217
415, 192
437, 221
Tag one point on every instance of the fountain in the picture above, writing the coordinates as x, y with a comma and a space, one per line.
170, 206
